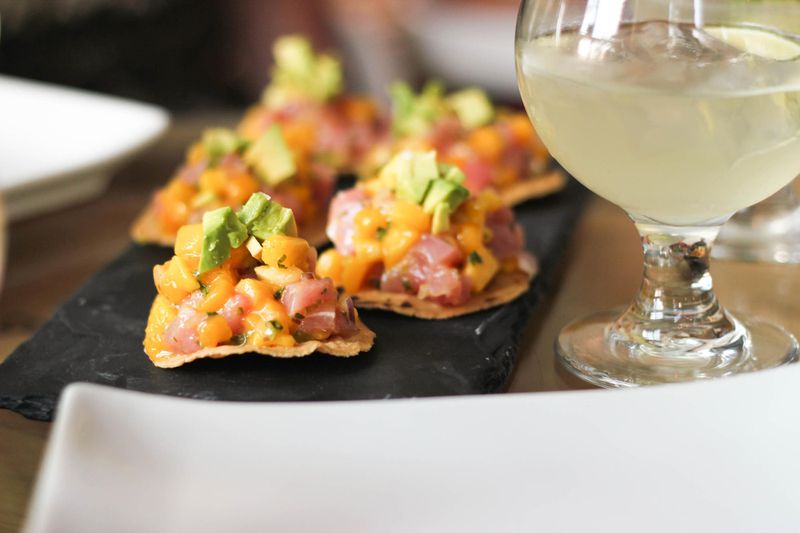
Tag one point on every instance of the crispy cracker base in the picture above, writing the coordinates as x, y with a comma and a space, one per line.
147, 230
361, 341
505, 287
536, 186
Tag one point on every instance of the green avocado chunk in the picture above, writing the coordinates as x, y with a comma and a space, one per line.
219, 142
263, 217
415, 171
300, 73
473, 107
452, 173
442, 191
270, 157
222, 230
414, 114
441, 218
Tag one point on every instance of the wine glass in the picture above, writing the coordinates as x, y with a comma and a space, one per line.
768, 231
681, 112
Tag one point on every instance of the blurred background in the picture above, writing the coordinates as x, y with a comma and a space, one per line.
185, 54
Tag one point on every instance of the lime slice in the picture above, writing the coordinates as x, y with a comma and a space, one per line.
757, 42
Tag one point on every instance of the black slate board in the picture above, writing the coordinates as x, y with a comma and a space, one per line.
96, 336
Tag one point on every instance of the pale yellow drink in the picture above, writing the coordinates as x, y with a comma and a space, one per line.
681, 134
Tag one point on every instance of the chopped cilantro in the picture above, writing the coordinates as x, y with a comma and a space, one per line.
212, 313
380, 233
277, 325
203, 288
406, 284
279, 293
299, 316
238, 340
475, 258
281, 259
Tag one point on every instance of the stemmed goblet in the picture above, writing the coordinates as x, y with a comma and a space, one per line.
681, 112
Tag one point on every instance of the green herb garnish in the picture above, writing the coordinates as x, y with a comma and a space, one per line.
475, 258
281, 259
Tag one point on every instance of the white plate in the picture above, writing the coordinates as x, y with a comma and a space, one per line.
473, 45
705, 457
59, 146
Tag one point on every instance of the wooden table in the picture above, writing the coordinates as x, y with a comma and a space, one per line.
52, 255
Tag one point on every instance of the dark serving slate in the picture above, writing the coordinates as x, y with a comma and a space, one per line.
96, 336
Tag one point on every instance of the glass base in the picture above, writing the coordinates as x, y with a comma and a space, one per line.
587, 350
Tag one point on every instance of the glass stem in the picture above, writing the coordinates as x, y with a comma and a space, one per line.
675, 309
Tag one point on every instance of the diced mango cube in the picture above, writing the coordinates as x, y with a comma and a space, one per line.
396, 244
409, 216
161, 314
189, 244
486, 142
480, 268
213, 331
278, 277
256, 291
282, 251
183, 276
354, 273
368, 222
329, 265
469, 238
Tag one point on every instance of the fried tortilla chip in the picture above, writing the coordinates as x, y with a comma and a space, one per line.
505, 287
536, 186
147, 230
359, 342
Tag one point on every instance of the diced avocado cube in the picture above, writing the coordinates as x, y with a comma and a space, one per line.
253, 208
263, 217
441, 218
327, 77
473, 107
442, 191
414, 172
299, 73
452, 173
294, 54
219, 142
222, 230
270, 157
414, 114
276, 220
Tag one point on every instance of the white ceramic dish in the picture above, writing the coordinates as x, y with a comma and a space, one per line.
471, 45
704, 457
59, 146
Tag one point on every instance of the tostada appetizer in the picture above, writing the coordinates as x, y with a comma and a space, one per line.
224, 169
306, 97
414, 241
244, 283
495, 147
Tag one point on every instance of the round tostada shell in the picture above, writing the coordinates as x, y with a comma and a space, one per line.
536, 186
505, 287
361, 341
147, 230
